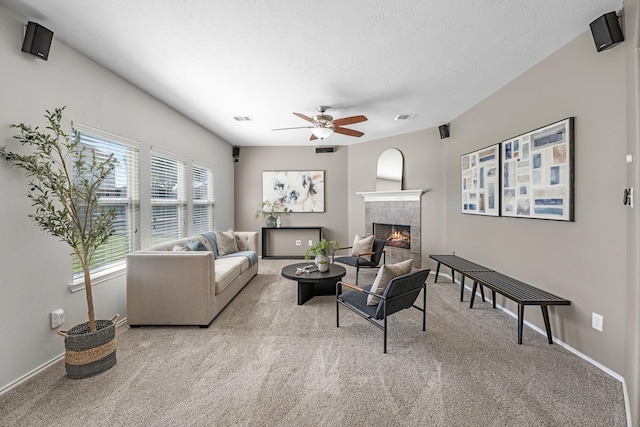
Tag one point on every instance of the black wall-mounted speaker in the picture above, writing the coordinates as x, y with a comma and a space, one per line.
37, 40
444, 131
236, 152
324, 149
606, 31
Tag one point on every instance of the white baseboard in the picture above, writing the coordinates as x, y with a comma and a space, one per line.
43, 367
595, 363
29, 375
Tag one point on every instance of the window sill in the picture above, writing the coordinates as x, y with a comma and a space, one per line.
100, 277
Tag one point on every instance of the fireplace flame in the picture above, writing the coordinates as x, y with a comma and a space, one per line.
398, 236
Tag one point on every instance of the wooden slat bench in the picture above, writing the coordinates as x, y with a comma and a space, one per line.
462, 266
520, 292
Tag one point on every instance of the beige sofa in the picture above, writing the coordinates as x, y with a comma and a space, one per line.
169, 286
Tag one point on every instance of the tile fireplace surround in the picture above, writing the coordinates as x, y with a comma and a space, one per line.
396, 207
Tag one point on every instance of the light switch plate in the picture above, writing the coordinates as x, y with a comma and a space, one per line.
597, 321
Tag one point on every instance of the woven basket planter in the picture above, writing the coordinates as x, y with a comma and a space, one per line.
90, 353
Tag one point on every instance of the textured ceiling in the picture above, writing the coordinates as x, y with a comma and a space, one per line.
215, 59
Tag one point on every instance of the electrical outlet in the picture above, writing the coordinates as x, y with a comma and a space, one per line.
298, 242
57, 318
310, 242
596, 321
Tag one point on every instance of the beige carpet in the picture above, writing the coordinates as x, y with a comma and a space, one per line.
266, 361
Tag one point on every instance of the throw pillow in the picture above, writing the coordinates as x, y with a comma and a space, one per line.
226, 242
210, 239
362, 245
196, 245
386, 273
180, 248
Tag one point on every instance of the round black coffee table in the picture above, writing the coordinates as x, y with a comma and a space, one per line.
314, 283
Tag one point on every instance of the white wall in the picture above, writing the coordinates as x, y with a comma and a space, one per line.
36, 268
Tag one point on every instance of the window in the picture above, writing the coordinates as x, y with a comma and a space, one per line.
168, 197
120, 192
203, 199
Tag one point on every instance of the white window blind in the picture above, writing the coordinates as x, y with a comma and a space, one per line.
168, 197
203, 199
119, 191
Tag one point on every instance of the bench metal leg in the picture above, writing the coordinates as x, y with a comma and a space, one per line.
462, 288
482, 292
437, 272
493, 297
547, 325
473, 293
520, 322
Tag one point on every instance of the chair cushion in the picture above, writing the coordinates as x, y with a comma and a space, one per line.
359, 301
226, 273
362, 245
226, 242
354, 261
386, 273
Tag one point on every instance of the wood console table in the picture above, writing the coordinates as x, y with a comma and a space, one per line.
280, 242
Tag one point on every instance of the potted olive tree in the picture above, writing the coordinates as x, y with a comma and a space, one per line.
65, 178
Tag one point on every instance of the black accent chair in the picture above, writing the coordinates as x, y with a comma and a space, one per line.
400, 293
377, 252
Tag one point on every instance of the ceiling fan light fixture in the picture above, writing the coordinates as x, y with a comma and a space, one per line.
405, 116
322, 133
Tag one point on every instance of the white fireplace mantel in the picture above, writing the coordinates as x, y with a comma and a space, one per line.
392, 196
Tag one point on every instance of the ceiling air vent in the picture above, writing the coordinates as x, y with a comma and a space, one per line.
406, 116
242, 119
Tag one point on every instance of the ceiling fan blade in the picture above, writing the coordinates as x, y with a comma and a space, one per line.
349, 120
346, 131
313, 137
303, 117
299, 127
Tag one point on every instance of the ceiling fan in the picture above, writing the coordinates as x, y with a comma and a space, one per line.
324, 124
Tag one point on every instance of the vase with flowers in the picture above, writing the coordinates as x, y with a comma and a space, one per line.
271, 210
322, 249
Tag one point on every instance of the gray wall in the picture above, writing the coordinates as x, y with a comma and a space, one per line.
36, 268
632, 335
583, 261
592, 262
248, 177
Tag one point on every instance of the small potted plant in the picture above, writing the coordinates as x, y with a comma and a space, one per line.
271, 211
321, 249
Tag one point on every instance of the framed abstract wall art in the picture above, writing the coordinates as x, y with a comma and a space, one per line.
537, 173
299, 191
481, 181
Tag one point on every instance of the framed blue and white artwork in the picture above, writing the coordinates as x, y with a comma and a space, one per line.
481, 181
538, 174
